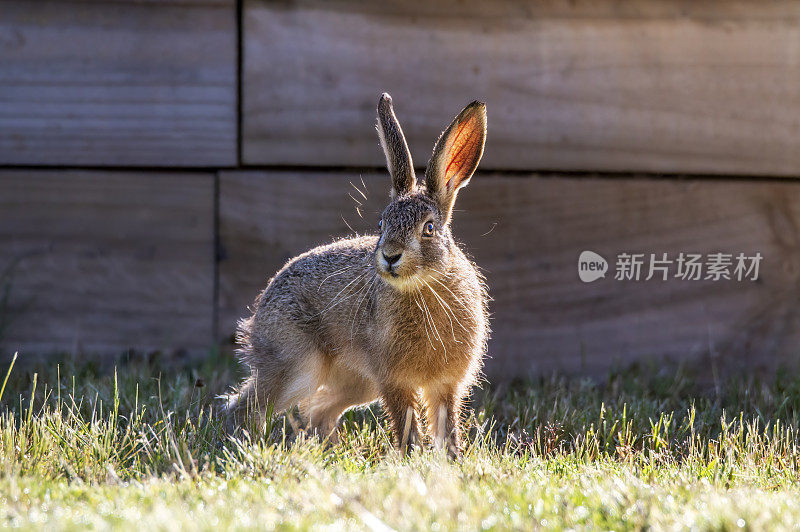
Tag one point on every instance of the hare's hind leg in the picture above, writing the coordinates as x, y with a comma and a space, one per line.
339, 392
243, 408
274, 385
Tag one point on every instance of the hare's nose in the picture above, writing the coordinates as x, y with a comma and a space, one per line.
391, 259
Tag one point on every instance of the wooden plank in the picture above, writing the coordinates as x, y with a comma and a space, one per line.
527, 234
678, 87
99, 262
118, 83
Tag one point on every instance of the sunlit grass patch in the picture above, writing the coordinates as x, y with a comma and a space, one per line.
83, 446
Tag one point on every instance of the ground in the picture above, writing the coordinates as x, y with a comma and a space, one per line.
123, 446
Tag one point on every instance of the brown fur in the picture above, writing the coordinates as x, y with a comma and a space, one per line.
340, 325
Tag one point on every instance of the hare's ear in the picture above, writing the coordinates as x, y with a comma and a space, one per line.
398, 158
456, 156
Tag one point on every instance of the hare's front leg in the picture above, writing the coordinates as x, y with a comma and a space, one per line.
444, 414
400, 405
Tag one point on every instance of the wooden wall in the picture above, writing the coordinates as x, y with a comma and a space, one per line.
526, 232
120, 83
686, 87
99, 261
160, 160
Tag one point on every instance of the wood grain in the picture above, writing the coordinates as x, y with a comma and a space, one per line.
118, 83
527, 233
676, 87
99, 262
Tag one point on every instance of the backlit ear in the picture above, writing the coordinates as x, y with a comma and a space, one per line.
398, 158
456, 156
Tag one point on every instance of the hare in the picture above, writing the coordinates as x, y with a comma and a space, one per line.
400, 316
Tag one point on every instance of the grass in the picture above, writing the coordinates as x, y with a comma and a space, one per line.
87, 446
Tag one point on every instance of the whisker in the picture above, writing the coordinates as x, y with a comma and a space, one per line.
354, 199
443, 305
348, 225
334, 302
464, 305
366, 289
358, 189
337, 272
424, 322
447, 310
433, 322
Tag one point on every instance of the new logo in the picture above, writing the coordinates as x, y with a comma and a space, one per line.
591, 266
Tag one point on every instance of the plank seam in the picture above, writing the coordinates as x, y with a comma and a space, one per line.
485, 172
239, 78
217, 256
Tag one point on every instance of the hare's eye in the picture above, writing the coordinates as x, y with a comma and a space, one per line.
427, 230
380, 224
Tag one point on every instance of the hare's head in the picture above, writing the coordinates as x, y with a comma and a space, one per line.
415, 238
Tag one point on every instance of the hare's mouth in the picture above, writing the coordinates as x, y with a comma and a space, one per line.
401, 282
392, 274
